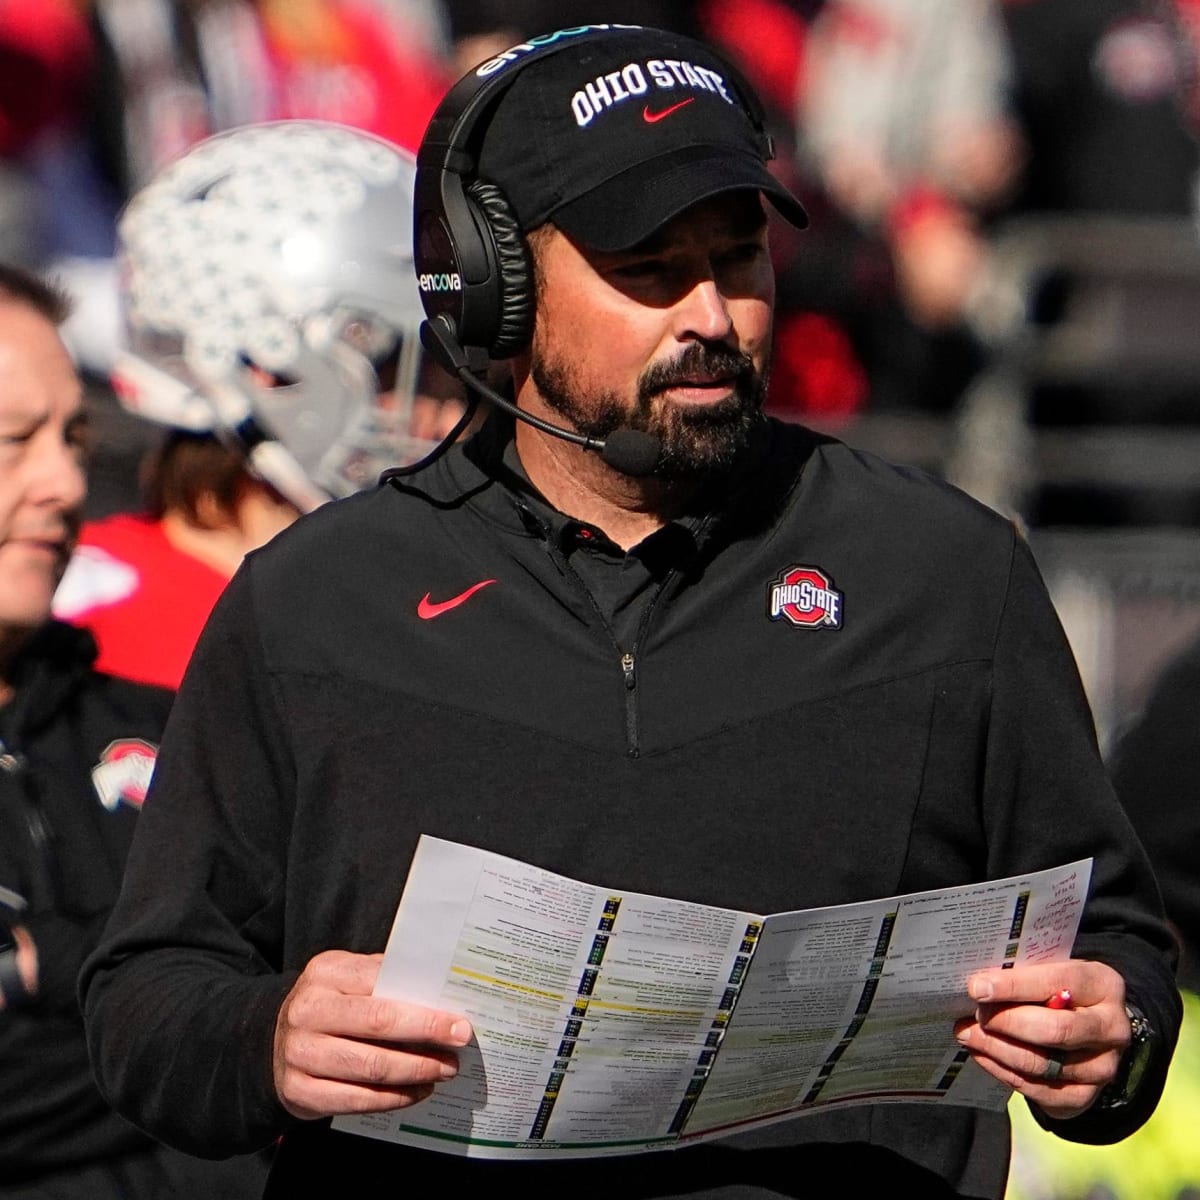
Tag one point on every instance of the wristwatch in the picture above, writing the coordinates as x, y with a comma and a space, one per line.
12, 986
1132, 1067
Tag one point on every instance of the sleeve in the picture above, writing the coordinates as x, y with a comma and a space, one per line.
181, 995
1048, 800
1156, 770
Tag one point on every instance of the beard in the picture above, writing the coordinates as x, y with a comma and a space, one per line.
696, 440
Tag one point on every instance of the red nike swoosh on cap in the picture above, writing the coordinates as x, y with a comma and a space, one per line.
428, 609
650, 118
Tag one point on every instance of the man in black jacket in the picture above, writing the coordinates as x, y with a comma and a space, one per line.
685, 651
76, 752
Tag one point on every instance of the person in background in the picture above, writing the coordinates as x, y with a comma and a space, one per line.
272, 312
77, 749
98, 96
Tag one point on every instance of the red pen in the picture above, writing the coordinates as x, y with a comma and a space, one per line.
1060, 999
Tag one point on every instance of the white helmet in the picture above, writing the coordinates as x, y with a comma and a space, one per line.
267, 275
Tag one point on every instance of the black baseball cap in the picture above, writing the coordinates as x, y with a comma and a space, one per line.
616, 134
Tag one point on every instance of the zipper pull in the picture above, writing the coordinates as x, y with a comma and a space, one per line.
627, 668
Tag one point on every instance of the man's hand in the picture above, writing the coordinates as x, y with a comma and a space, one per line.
1018, 1039
338, 1049
27, 963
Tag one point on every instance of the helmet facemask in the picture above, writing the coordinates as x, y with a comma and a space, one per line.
268, 283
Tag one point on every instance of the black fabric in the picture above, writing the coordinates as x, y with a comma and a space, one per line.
719, 1171
1156, 770
63, 851
609, 142
938, 736
1099, 90
622, 585
149, 1173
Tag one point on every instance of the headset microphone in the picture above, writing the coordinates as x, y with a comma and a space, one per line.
630, 451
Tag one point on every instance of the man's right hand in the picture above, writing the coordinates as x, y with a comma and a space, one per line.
338, 1049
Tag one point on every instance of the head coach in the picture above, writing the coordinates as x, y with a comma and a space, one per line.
641, 636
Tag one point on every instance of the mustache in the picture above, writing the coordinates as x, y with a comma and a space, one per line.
698, 359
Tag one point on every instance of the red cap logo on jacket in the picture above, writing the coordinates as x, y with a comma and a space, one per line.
123, 772
806, 597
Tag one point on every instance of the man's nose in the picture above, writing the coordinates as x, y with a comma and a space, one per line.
704, 312
58, 477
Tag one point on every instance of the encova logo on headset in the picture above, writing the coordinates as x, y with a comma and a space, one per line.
536, 43
440, 281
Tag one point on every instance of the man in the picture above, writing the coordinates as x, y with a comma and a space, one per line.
530, 649
262, 227
78, 748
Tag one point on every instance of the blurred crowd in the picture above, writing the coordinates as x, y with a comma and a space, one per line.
914, 128
918, 132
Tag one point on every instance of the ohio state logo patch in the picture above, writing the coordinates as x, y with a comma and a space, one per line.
806, 597
123, 773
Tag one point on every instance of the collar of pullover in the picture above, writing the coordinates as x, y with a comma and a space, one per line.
484, 474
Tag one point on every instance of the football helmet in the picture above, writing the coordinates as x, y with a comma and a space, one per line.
269, 297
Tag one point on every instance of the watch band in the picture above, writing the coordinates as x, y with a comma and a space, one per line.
1134, 1061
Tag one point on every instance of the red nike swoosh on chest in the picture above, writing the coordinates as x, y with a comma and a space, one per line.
650, 118
428, 609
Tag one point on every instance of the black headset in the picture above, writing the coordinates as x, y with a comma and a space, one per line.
472, 261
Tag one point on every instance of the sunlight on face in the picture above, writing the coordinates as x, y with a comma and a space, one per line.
43, 436
671, 337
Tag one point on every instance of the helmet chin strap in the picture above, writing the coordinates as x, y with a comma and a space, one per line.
267, 457
271, 461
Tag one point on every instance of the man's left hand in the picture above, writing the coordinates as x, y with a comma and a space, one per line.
1017, 1038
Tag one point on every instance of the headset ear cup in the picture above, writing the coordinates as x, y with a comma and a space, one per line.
514, 318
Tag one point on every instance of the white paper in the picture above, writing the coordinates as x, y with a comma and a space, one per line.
611, 1022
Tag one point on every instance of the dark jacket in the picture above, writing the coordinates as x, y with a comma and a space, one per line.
719, 751
62, 851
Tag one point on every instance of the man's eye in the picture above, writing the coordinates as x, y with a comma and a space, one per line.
79, 439
747, 252
648, 268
